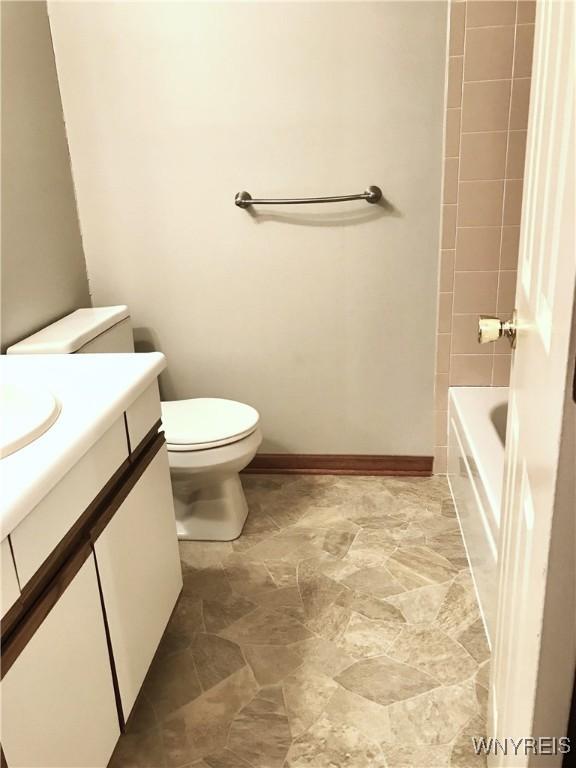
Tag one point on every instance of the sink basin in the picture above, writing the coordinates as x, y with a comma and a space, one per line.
26, 412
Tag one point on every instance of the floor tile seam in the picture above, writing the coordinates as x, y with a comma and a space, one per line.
466, 725
389, 623
203, 618
344, 631
232, 752
292, 738
436, 555
385, 707
238, 711
449, 743
269, 572
317, 719
157, 719
448, 581
434, 678
472, 680
466, 651
467, 626
414, 669
199, 681
249, 613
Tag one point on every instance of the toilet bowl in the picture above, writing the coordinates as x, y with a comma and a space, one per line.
209, 440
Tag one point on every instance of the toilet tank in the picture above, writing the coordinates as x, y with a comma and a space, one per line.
98, 329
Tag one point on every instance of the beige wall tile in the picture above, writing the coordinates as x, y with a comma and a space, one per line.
465, 336
480, 203
442, 353
454, 96
485, 106
477, 248
523, 51
509, 249
516, 155
475, 292
513, 202
457, 15
526, 12
489, 53
501, 370
471, 370
447, 259
448, 227
441, 392
452, 147
506, 292
486, 120
483, 156
440, 460
444, 312
451, 180
490, 13
520, 103
441, 428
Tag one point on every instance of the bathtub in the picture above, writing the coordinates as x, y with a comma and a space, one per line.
476, 437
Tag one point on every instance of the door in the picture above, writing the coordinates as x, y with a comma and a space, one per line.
140, 574
58, 704
533, 659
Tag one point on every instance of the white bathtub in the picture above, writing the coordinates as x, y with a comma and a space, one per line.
476, 436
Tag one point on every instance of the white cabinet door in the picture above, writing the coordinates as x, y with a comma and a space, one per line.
140, 574
58, 705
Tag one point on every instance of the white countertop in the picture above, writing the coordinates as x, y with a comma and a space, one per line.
93, 391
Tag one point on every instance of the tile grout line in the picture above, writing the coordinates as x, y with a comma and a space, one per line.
454, 270
498, 287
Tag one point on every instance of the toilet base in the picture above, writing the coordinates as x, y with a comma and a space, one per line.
214, 512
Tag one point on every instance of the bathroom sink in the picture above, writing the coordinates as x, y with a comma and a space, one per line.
26, 413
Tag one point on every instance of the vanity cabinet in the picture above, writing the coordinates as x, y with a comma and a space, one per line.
58, 705
89, 580
140, 575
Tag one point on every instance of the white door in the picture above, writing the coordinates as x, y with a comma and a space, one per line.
58, 705
140, 589
533, 663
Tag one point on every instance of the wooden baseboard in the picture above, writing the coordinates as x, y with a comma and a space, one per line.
339, 464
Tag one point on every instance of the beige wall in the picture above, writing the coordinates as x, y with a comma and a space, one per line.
43, 269
323, 317
489, 68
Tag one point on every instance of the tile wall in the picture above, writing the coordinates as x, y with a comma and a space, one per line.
489, 65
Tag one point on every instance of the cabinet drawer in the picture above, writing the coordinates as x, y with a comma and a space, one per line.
58, 704
143, 414
41, 531
10, 591
140, 574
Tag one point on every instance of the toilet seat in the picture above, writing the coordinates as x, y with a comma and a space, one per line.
206, 422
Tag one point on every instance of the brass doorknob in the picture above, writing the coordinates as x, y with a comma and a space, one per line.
492, 329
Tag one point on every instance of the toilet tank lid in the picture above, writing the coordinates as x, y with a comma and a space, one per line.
71, 332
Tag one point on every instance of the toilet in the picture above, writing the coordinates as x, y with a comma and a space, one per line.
209, 440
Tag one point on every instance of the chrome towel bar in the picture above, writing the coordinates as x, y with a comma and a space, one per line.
371, 195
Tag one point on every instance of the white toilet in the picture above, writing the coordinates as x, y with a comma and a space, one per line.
209, 440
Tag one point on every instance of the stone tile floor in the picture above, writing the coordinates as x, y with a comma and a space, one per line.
340, 630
